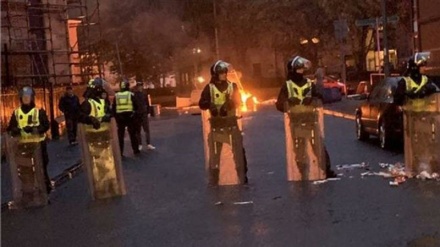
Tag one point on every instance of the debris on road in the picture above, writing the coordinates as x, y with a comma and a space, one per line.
424, 175
218, 203
326, 180
243, 203
352, 166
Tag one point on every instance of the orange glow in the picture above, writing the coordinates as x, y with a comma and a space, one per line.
245, 96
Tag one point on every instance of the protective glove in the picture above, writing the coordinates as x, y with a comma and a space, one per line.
213, 110
28, 129
95, 122
307, 101
15, 132
106, 118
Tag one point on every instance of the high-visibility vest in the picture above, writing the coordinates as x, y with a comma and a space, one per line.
97, 108
299, 92
124, 102
28, 119
412, 86
218, 97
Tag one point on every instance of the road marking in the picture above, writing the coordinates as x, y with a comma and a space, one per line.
339, 114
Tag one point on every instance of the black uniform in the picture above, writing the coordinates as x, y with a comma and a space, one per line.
126, 120
141, 117
44, 126
70, 106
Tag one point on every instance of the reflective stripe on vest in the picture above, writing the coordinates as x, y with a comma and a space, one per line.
218, 97
412, 86
123, 102
97, 108
297, 92
28, 119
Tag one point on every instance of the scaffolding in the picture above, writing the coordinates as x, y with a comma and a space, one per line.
48, 44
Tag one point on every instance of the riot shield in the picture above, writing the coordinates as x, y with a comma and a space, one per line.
224, 153
102, 160
27, 170
422, 135
305, 152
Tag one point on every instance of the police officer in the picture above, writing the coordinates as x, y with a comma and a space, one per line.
414, 84
30, 125
221, 97
94, 110
124, 108
299, 90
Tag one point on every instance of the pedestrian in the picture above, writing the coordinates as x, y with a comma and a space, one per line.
94, 110
69, 105
141, 116
124, 108
222, 98
414, 85
299, 90
30, 125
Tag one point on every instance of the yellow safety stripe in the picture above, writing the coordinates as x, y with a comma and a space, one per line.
97, 108
23, 121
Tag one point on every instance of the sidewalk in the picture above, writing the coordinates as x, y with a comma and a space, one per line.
61, 157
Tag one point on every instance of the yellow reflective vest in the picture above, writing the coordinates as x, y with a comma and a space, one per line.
28, 119
124, 102
97, 108
218, 97
298, 92
412, 86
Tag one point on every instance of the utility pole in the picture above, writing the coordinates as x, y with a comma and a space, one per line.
386, 58
217, 52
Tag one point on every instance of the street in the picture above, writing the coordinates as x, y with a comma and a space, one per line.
168, 202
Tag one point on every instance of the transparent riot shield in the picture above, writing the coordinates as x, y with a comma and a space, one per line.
305, 152
102, 160
27, 170
422, 135
224, 153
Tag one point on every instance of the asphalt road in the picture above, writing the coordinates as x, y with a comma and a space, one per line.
169, 204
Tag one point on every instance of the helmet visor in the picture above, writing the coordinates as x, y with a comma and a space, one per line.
301, 63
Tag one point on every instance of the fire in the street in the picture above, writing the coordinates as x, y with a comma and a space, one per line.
245, 97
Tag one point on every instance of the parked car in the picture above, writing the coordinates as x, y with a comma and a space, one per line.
380, 116
334, 82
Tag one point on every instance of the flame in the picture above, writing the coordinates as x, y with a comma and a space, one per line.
245, 96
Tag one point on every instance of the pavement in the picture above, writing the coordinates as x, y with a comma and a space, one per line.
169, 204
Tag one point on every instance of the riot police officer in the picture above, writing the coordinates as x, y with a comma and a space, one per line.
299, 90
415, 85
94, 109
222, 98
30, 125
124, 108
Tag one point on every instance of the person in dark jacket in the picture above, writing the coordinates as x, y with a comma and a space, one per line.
94, 110
414, 85
69, 105
141, 116
29, 123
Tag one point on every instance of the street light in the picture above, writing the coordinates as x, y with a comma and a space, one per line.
304, 41
315, 40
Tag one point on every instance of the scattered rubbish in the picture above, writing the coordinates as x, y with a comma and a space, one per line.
385, 165
218, 203
243, 203
393, 183
397, 181
276, 198
426, 176
340, 174
326, 180
352, 166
